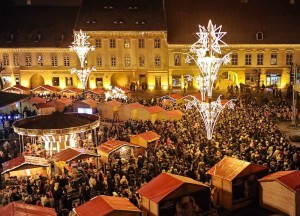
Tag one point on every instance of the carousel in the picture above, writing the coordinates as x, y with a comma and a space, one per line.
57, 131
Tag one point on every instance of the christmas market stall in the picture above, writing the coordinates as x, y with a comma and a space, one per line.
58, 105
173, 115
26, 165
17, 89
170, 100
70, 92
235, 182
143, 139
107, 206
129, 111
58, 130
23, 209
45, 108
280, 192
44, 90
117, 149
151, 113
169, 194
11, 101
109, 110
85, 106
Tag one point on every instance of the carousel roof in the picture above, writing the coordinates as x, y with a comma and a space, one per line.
22, 209
24, 162
70, 154
106, 205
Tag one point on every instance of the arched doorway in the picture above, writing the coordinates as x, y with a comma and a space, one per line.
36, 80
119, 79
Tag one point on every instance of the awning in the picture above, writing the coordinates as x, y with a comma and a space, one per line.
71, 154
22, 209
24, 162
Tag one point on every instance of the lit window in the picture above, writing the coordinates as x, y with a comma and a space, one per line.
113, 61
248, 59
177, 60
40, 60
289, 58
112, 43
234, 59
142, 61
16, 60
156, 43
54, 61
66, 61
126, 43
141, 43
157, 61
127, 61
5, 60
273, 59
98, 43
99, 61
28, 60
260, 59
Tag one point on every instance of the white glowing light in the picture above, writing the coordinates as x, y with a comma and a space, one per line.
115, 93
83, 75
81, 46
206, 52
209, 111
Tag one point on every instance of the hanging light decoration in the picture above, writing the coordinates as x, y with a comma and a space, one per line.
206, 52
82, 46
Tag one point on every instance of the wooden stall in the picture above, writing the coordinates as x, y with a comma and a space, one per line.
23, 209
151, 113
109, 110
45, 90
85, 104
143, 139
167, 194
45, 108
107, 206
70, 92
173, 115
59, 105
17, 89
26, 165
280, 192
235, 182
129, 111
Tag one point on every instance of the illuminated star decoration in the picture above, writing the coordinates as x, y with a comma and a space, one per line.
81, 46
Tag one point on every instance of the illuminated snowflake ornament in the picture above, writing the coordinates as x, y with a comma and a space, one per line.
81, 46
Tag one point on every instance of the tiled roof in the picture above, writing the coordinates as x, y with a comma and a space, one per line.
164, 184
70, 154
28, 161
22, 209
106, 205
290, 179
277, 20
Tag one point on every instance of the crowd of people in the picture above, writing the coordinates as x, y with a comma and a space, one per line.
249, 132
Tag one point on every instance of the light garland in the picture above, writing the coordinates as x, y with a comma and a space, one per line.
83, 74
115, 93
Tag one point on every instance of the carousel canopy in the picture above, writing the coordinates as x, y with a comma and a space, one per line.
22, 209
230, 168
56, 124
165, 185
24, 162
107, 205
10, 98
113, 145
70, 154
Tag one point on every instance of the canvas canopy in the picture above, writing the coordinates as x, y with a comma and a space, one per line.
71, 154
129, 111
108, 206
108, 109
143, 139
92, 103
22, 209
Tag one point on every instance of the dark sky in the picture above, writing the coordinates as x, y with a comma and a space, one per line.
47, 2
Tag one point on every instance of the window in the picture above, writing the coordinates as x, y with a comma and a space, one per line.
289, 58
54, 61
259, 36
176, 81
112, 43
5, 60
142, 61
234, 59
67, 61
40, 60
126, 43
69, 81
55, 81
16, 60
99, 61
99, 82
260, 59
28, 60
273, 59
177, 60
113, 61
156, 43
127, 61
157, 61
141, 43
248, 59
98, 43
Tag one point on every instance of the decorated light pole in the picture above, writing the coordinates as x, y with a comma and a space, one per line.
82, 46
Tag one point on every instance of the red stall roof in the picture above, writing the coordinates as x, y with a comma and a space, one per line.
36, 100
70, 154
176, 96
229, 168
164, 184
71, 90
45, 88
154, 109
113, 145
133, 105
106, 205
24, 162
289, 179
98, 91
113, 103
149, 136
22, 209
44, 105
17, 87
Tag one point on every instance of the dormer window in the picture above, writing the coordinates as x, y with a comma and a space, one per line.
118, 22
141, 22
259, 36
132, 7
108, 7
